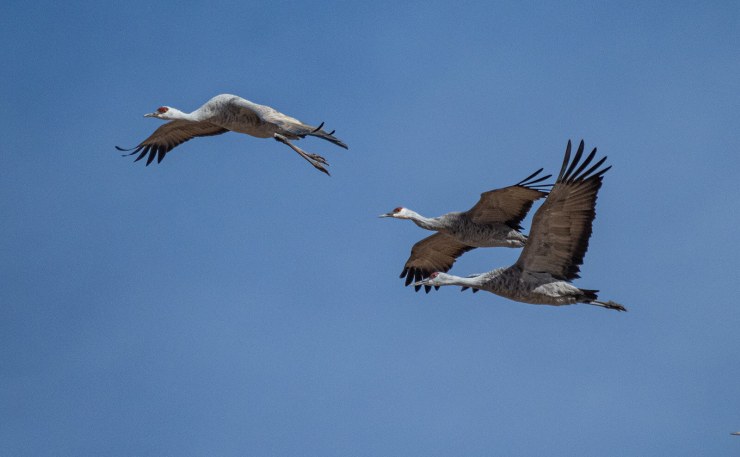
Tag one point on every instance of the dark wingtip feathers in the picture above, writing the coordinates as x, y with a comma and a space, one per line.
414, 275
575, 160
153, 151
532, 183
575, 172
523, 181
141, 156
152, 154
585, 163
566, 159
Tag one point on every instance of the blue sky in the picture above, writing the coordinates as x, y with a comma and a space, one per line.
234, 301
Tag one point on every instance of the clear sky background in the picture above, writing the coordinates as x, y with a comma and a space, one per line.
234, 301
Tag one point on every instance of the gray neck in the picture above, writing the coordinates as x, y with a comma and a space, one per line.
428, 223
472, 282
476, 281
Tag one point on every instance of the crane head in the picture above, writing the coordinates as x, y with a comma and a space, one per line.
160, 113
398, 213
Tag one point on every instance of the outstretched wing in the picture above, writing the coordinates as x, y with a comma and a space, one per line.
434, 253
509, 205
170, 135
561, 227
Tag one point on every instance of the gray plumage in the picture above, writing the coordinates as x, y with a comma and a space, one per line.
557, 243
493, 222
225, 113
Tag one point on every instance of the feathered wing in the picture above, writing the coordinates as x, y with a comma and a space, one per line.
561, 227
170, 135
434, 253
509, 205
290, 127
253, 113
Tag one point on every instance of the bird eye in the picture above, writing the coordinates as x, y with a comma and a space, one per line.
162, 109
433, 275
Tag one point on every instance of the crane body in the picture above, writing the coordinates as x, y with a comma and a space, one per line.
495, 221
557, 243
224, 113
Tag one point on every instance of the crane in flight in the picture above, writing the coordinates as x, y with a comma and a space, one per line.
558, 241
493, 222
225, 113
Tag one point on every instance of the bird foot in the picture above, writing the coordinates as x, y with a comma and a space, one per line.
317, 158
609, 305
320, 167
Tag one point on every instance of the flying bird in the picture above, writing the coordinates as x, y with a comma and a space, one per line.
493, 222
558, 240
225, 113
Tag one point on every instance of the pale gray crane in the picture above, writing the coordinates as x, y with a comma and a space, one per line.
558, 240
225, 113
493, 222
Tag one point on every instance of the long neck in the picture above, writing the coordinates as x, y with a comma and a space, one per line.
473, 282
175, 114
428, 223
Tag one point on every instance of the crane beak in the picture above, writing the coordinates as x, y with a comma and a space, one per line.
151, 115
423, 282
386, 215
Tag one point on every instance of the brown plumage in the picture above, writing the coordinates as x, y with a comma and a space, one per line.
434, 253
225, 113
494, 221
170, 135
562, 226
558, 240
509, 205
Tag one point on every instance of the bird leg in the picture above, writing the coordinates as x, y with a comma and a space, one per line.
316, 160
608, 305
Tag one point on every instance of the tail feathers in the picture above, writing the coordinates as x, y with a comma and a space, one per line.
328, 136
590, 297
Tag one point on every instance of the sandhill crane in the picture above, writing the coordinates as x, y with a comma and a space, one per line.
493, 222
225, 113
557, 242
